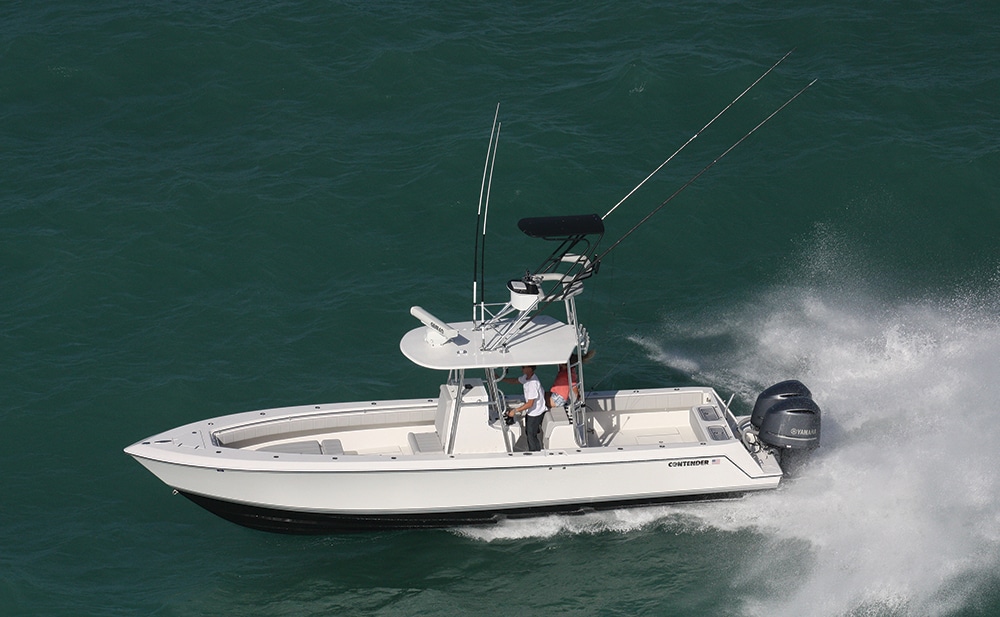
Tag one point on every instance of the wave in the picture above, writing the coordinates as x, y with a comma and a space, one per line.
899, 511
900, 507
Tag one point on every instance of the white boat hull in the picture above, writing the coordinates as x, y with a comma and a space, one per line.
298, 501
319, 493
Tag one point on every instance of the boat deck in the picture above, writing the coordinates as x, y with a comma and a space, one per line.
613, 419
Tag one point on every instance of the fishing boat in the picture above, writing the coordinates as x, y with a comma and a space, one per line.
454, 459
460, 457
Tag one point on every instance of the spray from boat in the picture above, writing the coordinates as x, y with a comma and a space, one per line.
899, 511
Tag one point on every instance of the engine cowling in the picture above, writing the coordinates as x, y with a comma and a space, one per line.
793, 388
786, 416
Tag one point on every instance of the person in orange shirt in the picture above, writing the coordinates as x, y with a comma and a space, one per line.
559, 393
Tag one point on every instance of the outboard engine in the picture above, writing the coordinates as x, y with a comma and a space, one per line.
786, 417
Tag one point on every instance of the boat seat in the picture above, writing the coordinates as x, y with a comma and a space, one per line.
557, 432
425, 443
332, 446
296, 447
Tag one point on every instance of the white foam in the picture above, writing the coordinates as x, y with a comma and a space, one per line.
616, 521
899, 510
898, 513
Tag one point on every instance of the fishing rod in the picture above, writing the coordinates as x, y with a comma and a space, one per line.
479, 265
486, 211
698, 175
490, 150
695, 136
595, 263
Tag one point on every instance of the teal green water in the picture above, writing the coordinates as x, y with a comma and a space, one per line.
211, 208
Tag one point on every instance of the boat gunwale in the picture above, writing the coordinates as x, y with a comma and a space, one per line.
449, 463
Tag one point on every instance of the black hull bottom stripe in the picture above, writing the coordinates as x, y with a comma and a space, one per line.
295, 522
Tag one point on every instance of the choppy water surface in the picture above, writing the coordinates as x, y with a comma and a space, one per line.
209, 209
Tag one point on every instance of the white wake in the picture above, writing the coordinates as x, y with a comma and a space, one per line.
900, 508
898, 513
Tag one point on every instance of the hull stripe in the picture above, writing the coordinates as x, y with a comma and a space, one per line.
298, 522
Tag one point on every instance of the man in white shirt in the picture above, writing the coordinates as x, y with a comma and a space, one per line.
534, 406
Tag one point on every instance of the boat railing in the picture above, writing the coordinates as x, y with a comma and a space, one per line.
553, 285
731, 418
488, 312
496, 403
504, 331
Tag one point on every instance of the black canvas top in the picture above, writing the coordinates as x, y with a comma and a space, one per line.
554, 227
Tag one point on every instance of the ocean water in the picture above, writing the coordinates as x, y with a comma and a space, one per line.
215, 207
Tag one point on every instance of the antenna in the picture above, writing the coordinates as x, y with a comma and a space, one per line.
486, 211
487, 168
